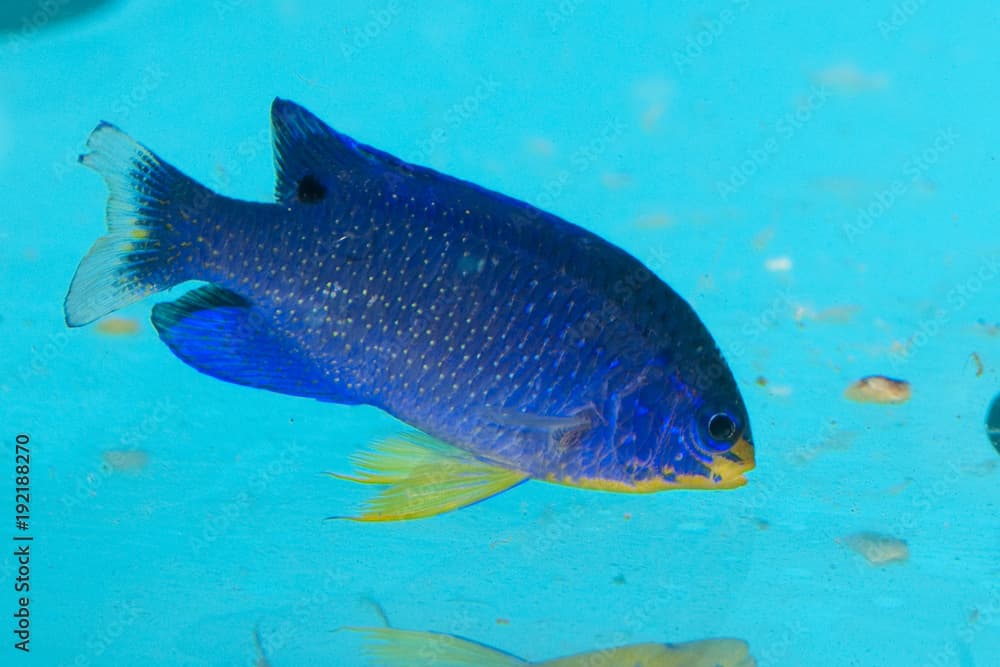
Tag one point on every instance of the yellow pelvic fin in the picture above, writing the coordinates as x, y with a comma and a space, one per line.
409, 648
703, 653
425, 477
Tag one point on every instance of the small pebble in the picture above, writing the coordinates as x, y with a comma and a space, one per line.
654, 221
879, 389
118, 326
877, 549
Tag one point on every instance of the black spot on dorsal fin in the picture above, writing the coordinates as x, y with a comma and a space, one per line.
310, 190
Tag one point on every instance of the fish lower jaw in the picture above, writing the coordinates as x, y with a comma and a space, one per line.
670, 481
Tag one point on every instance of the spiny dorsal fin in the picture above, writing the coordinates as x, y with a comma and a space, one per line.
425, 477
311, 159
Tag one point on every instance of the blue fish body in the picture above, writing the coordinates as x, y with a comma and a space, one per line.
497, 328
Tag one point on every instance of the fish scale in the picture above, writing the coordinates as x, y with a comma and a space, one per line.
495, 328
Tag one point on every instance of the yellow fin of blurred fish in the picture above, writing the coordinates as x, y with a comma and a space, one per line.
425, 477
409, 648
388, 646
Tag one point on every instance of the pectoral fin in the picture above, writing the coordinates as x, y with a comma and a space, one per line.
564, 432
424, 477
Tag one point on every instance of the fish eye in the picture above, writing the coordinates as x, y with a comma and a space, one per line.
721, 427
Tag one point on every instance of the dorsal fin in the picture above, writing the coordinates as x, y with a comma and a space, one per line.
311, 159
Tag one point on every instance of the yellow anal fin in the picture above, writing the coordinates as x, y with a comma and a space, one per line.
409, 648
702, 653
424, 477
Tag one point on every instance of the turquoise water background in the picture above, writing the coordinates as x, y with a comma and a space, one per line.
818, 181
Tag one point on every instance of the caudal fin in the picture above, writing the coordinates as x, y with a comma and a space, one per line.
150, 207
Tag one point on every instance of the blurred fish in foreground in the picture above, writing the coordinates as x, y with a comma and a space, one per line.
520, 345
29, 16
993, 423
389, 647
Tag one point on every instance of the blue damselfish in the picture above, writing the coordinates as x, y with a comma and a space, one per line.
519, 345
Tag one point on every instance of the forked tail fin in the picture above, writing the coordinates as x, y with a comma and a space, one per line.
153, 216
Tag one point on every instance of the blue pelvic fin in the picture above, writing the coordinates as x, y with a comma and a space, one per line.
312, 160
425, 477
147, 202
219, 333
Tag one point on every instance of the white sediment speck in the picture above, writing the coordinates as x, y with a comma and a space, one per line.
782, 263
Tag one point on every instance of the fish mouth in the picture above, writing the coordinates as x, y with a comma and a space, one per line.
724, 472
727, 469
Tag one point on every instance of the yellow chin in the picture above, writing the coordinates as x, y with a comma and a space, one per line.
727, 474
723, 474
